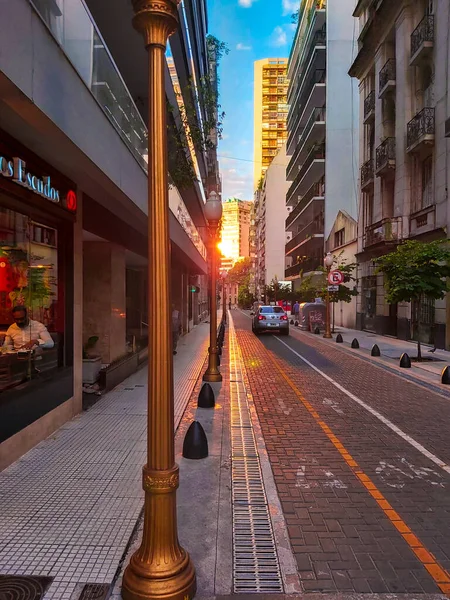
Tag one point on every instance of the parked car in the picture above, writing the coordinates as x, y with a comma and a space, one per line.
270, 318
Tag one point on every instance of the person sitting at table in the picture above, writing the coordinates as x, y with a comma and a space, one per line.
25, 333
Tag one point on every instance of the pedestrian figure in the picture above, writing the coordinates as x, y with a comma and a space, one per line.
229, 304
176, 327
296, 310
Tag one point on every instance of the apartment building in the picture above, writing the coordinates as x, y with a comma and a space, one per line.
402, 68
322, 128
270, 113
73, 197
270, 220
236, 227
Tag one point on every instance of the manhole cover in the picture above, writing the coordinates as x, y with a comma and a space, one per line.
95, 591
21, 587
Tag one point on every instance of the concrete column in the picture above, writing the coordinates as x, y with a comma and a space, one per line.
104, 298
78, 307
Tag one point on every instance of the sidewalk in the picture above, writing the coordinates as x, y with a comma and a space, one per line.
70, 505
391, 350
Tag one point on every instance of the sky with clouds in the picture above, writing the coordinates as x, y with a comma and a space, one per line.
252, 29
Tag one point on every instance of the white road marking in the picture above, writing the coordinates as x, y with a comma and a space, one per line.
372, 411
284, 408
329, 479
394, 475
334, 405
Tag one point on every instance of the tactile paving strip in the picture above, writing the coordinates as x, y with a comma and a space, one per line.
255, 561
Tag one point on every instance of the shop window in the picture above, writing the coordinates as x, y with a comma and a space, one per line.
33, 377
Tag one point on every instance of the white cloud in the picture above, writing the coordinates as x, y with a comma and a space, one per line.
290, 6
246, 3
279, 37
242, 46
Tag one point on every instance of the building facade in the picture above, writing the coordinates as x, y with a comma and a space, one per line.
403, 72
271, 212
73, 200
270, 112
236, 226
322, 128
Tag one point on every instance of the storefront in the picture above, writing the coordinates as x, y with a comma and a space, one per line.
37, 214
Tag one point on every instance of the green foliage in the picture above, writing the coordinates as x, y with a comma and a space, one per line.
240, 273
315, 286
415, 270
90, 345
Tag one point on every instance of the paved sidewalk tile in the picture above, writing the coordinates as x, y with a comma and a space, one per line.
69, 506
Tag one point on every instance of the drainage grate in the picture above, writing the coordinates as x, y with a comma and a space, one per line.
23, 587
255, 560
95, 591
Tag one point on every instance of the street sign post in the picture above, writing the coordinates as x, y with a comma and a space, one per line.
335, 277
333, 288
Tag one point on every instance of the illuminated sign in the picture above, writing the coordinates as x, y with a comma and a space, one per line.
16, 169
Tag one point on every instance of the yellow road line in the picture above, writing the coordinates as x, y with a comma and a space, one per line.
438, 573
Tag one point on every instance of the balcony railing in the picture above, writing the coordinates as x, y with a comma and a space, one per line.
421, 129
316, 226
367, 174
317, 116
317, 76
369, 106
384, 231
305, 266
422, 35
388, 75
318, 39
317, 152
315, 191
385, 155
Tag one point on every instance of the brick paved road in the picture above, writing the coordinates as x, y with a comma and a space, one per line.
342, 539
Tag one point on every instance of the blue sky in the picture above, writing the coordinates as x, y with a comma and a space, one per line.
252, 29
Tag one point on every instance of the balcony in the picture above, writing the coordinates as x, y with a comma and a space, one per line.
387, 78
312, 93
315, 193
385, 157
312, 229
310, 172
387, 231
311, 49
422, 41
307, 265
422, 221
312, 132
420, 131
367, 174
369, 108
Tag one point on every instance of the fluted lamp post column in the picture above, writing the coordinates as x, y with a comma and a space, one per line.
328, 262
160, 568
224, 275
213, 214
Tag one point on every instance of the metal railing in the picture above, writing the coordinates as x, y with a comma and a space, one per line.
83, 44
305, 266
317, 152
369, 104
424, 32
318, 39
317, 116
367, 172
385, 153
304, 92
315, 191
422, 124
386, 230
387, 73
313, 227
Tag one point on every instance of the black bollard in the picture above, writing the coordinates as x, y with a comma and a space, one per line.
291, 321
375, 351
195, 445
206, 397
445, 376
296, 324
317, 331
355, 343
405, 361
339, 339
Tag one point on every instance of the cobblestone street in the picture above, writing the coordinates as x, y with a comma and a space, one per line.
359, 458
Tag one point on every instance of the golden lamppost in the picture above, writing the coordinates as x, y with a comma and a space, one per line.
224, 275
213, 214
160, 568
328, 262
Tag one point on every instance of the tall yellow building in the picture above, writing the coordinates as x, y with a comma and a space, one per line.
235, 231
270, 114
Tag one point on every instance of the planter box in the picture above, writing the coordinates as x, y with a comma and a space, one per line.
116, 372
91, 369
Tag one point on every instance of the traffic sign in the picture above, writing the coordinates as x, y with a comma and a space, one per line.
335, 277
333, 288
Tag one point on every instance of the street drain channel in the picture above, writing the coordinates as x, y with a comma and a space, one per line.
255, 561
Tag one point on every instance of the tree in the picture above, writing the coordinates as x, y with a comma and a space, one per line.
415, 271
240, 275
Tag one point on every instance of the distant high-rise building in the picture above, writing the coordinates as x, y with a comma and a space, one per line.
235, 231
270, 112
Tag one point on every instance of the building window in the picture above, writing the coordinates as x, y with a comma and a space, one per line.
339, 238
427, 182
